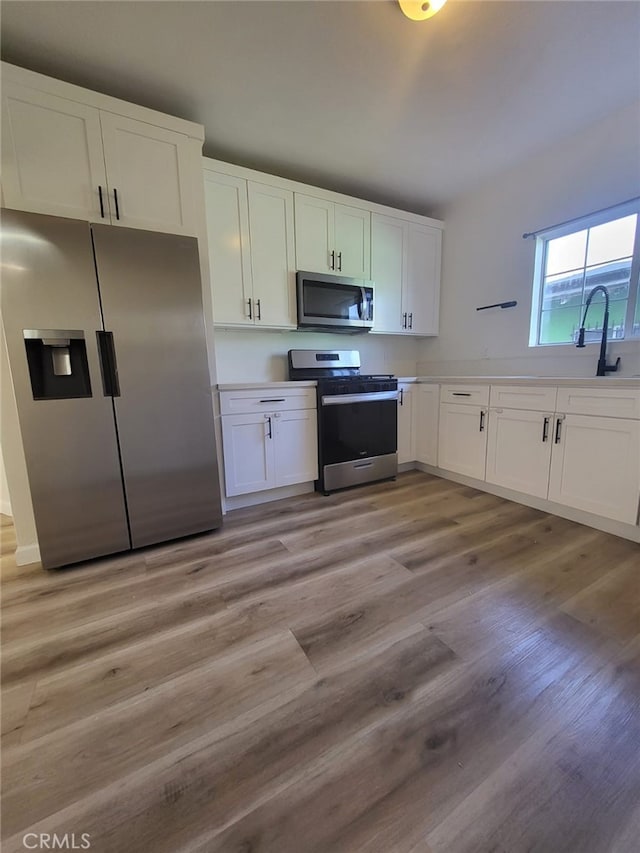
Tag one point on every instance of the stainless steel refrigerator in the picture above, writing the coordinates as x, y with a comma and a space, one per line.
105, 336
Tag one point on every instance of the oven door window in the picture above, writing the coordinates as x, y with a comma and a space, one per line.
358, 430
329, 301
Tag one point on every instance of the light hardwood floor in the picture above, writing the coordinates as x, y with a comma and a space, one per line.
409, 667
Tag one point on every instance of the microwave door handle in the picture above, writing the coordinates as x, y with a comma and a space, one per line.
364, 310
368, 305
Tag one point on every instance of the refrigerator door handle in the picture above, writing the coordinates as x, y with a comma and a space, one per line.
108, 364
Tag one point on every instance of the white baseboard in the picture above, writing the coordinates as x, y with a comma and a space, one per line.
256, 498
26, 554
617, 528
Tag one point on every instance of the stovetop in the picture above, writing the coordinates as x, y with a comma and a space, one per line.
361, 384
337, 372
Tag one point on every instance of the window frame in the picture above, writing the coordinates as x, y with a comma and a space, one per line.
589, 221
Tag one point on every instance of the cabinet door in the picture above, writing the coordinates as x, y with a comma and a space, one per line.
352, 241
406, 442
228, 241
427, 410
421, 298
595, 466
314, 234
272, 255
247, 444
52, 160
462, 439
519, 450
148, 169
389, 248
296, 447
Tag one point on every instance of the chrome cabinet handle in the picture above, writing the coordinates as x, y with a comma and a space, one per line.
411, 321
339, 261
482, 415
250, 312
259, 310
270, 433
404, 320
101, 202
402, 396
273, 400
460, 393
558, 434
115, 198
332, 262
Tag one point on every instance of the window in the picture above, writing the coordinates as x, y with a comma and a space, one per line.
572, 259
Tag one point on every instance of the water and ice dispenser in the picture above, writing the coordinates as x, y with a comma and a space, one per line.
58, 365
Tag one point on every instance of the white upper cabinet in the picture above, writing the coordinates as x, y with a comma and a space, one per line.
422, 293
67, 151
147, 175
405, 267
272, 248
389, 250
314, 234
332, 238
353, 241
227, 210
250, 236
262, 229
52, 159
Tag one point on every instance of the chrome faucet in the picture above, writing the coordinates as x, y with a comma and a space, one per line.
603, 367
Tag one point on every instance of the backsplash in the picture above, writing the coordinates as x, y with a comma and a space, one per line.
556, 361
261, 356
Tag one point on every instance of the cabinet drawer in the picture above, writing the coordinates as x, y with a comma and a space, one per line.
266, 400
528, 397
477, 395
608, 402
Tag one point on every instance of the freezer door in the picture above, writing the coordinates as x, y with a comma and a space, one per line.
152, 303
51, 313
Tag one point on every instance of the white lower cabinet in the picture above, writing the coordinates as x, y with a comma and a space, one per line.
462, 439
295, 446
248, 454
426, 406
273, 446
519, 450
406, 432
595, 465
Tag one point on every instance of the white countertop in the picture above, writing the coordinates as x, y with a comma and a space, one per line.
249, 386
559, 381
632, 382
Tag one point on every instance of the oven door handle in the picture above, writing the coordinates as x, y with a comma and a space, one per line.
371, 397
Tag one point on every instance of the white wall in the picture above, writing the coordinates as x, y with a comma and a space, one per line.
255, 355
5, 501
485, 259
15, 465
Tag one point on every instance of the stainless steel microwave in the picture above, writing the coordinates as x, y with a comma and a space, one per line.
334, 302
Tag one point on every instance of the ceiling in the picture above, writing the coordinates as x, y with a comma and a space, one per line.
350, 95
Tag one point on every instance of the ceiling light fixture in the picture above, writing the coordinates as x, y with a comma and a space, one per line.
421, 10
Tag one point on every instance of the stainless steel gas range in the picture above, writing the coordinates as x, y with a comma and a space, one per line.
357, 418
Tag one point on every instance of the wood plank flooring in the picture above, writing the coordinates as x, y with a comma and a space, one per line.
408, 667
